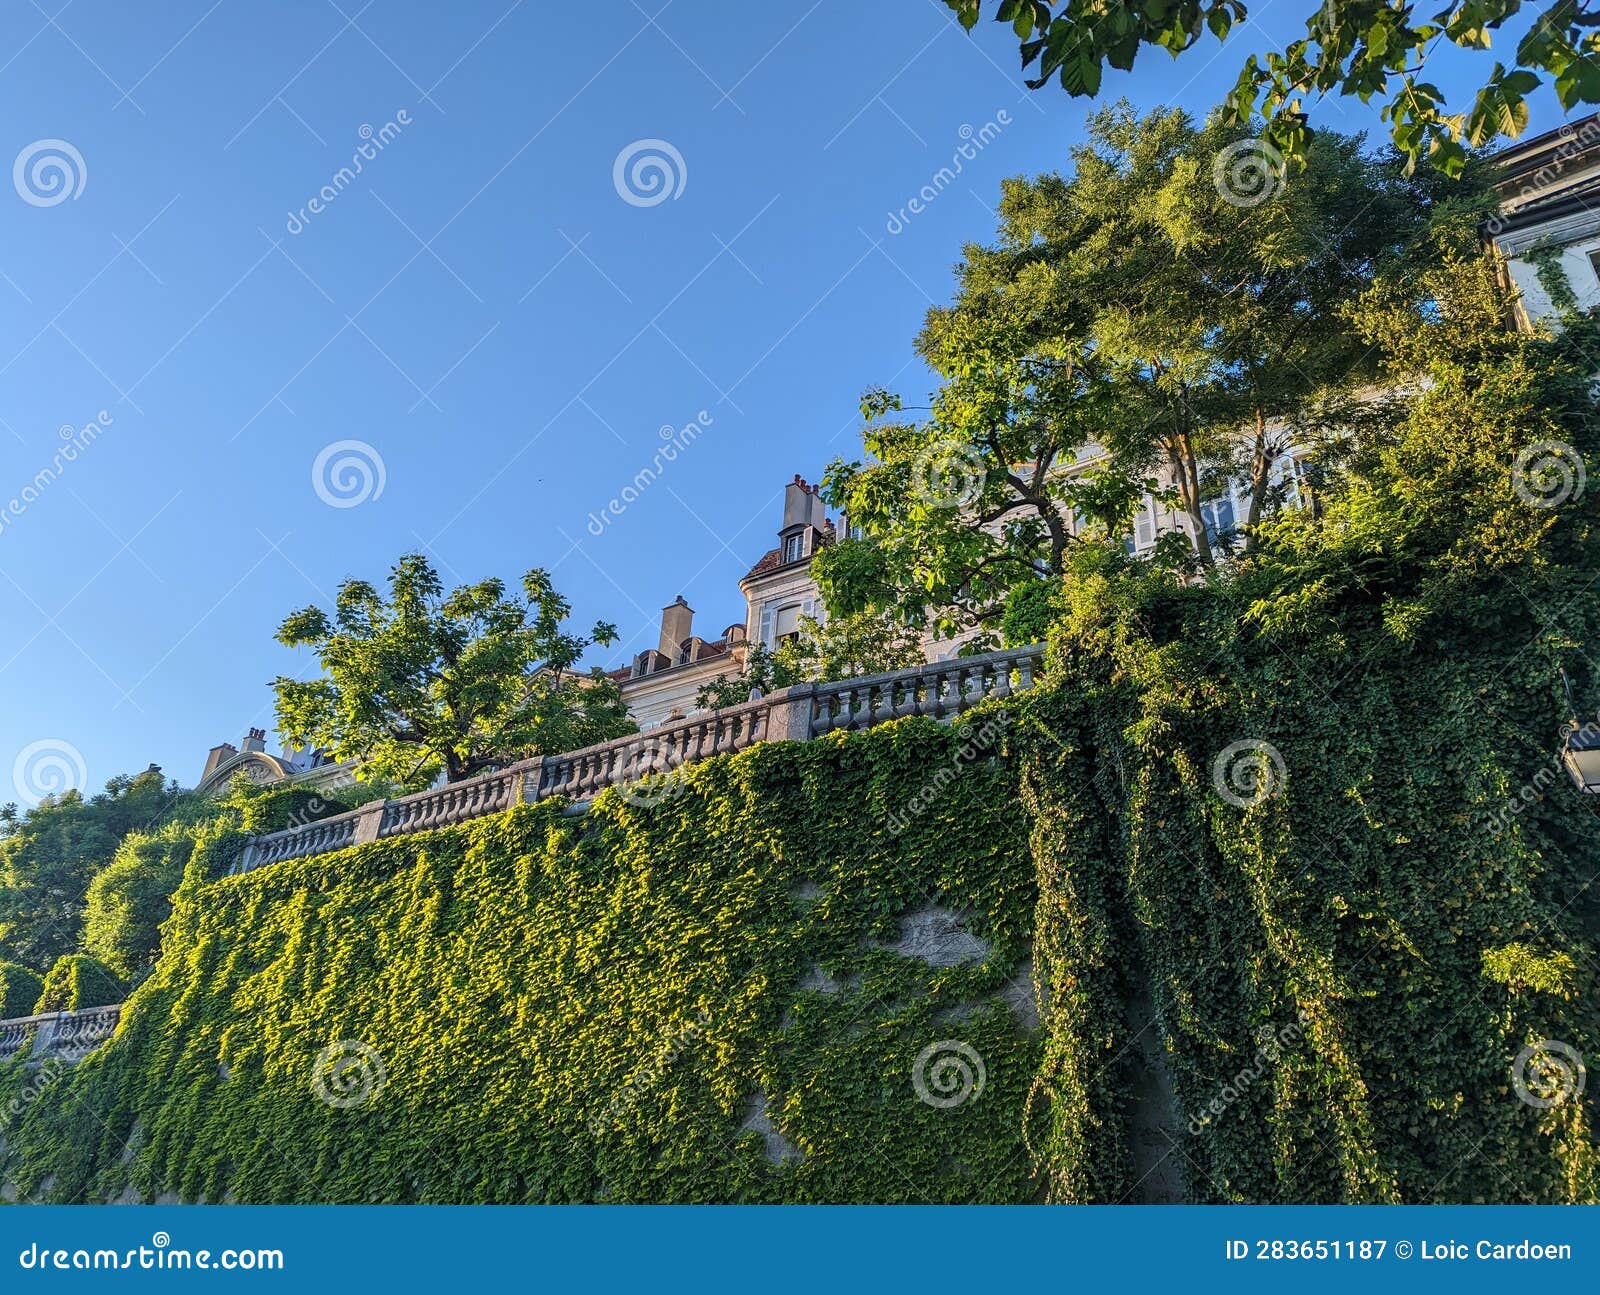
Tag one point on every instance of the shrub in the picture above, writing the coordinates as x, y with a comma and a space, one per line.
20, 988
78, 981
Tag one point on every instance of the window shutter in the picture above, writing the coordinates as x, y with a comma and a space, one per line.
1144, 533
766, 624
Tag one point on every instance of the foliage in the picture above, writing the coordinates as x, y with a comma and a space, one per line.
130, 898
1346, 972
50, 853
842, 647
421, 681
1130, 331
1372, 51
77, 982
20, 988
586, 1009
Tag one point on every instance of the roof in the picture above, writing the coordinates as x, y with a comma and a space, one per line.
772, 559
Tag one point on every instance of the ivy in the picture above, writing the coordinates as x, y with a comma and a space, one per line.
605, 1007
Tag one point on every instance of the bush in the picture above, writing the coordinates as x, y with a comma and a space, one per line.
130, 899
19, 990
78, 981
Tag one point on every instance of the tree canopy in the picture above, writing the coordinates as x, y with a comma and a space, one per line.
420, 681
1374, 51
50, 853
1148, 323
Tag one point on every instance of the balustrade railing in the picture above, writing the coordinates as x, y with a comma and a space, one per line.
64, 1035
941, 690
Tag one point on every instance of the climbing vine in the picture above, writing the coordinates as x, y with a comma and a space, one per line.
709, 998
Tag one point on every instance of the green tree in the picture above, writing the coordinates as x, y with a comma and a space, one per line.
1186, 331
421, 680
1351, 47
50, 853
844, 647
130, 898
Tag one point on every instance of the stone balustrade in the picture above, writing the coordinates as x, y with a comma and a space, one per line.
941, 690
66, 1036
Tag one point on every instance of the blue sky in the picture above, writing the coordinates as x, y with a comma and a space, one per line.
480, 305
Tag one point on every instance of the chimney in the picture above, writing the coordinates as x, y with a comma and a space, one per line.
676, 619
802, 504
255, 740
218, 754
796, 503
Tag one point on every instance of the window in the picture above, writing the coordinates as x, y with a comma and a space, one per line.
1144, 525
1219, 518
786, 625
1594, 263
793, 547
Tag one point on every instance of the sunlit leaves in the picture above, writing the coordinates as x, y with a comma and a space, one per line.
1369, 49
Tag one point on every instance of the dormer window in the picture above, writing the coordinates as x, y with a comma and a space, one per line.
794, 547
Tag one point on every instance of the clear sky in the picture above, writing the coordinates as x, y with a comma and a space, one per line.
481, 306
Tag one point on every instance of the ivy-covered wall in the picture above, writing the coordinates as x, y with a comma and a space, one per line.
793, 978
1306, 870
